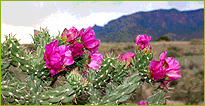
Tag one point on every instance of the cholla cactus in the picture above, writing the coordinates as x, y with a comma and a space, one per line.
91, 78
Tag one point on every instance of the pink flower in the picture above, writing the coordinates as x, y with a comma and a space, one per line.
57, 57
126, 58
70, 35
167, 69
142, 102
143, 44
88, 39
172, 69
76, 49
157, 70
95, 60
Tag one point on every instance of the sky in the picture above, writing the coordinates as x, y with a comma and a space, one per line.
22, 17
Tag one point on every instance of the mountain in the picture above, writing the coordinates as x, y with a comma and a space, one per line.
177, 25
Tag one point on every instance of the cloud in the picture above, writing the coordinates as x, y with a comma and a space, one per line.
21, 32
56, 22
60, 20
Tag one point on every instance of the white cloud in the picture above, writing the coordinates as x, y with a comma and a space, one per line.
60, 20
21, 32
57, 22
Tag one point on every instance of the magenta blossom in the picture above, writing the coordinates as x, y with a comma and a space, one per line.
57, 57
70, 35
95, 60
126, 58
76, 49
143, 44
157, 70
167, 69
88, 39
142, 102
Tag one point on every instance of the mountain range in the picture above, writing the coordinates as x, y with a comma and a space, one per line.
175, 24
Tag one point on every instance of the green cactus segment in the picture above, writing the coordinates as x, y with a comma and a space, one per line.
16, 92
59, 95
11, 50
27, 63
122, 92
104, 73
141, 66
94, 96
41, 38
157, 99
78, 83
119, 73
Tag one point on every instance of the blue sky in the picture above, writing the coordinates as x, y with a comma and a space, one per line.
22, 17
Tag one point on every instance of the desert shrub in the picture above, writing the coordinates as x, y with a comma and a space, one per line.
163, 38
193, 65
172, 53
174, 48
129, 47
197, 42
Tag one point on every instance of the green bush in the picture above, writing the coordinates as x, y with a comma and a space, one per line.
163, 38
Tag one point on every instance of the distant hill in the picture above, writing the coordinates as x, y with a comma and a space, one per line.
177, 25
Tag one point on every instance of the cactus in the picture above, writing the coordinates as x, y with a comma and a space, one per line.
112, 84
158, 98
